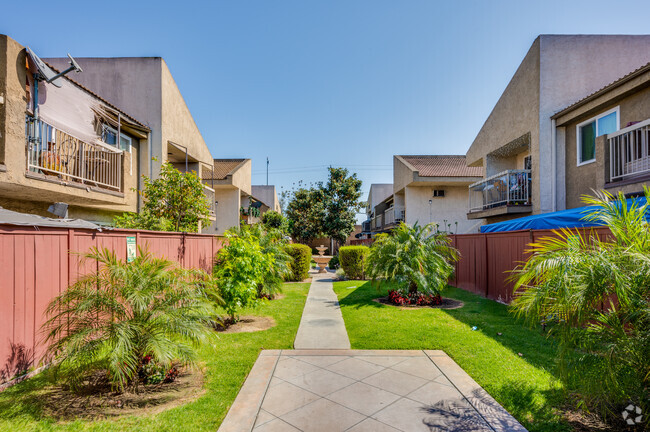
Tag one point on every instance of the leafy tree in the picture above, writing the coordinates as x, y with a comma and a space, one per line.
412, 257
111, 319
174, 201
341, 194
305, 213
598, 291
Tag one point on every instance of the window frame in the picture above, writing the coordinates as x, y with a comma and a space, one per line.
118, 139
617, 110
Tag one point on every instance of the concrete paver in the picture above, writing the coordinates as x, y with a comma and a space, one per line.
323, 386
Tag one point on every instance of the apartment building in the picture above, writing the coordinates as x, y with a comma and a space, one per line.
61, 142
425, 189
231, 181
606, 137
268, 195
525, 165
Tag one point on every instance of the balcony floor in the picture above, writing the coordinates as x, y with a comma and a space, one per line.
500, 211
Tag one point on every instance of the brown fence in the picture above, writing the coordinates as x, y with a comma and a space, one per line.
487, 259
37, 264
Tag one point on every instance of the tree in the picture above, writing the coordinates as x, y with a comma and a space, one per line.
341, 194
414, 258
273, 220
115, 317
596, 292
174, 201
305, 213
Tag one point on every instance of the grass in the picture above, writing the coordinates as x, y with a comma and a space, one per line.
227, 362
524, 385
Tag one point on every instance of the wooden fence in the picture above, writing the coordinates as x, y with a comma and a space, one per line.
487, 259
38, 263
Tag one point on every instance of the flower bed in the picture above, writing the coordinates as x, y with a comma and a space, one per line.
401, 298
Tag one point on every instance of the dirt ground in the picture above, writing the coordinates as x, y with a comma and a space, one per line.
248, 324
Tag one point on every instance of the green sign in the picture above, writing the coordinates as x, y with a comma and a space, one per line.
130, 248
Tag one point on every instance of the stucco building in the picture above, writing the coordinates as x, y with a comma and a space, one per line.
425, 189
231, 181
523, 156
59, 143
606, 139
267, 195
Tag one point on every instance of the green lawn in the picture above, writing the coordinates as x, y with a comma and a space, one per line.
524, 385
228, 364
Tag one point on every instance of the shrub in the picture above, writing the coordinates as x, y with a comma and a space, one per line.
601, 289
273, 220
115, 317
413, 258
300, 261
353, 261
334, 263
401, 297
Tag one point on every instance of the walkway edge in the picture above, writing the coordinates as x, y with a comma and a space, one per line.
243, 411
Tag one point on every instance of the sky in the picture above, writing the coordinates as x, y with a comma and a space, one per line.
310, 84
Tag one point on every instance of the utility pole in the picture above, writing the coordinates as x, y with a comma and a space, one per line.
267, 170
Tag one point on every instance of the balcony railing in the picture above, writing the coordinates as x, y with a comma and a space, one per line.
377, 222
52, 152
212, 206
507, 188
629, 151
393, 216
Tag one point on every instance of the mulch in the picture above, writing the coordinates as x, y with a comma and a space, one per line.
447, 303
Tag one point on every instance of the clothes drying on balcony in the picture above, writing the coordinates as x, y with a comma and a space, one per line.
572, 218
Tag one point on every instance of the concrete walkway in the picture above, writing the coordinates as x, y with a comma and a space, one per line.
322, 325
323, 386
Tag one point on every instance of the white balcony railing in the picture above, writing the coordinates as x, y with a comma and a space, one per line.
507, 188
629, 151
393, 216
377, 222
52, 152
212, 206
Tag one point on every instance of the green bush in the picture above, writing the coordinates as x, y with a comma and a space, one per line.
273, 219
300, 261
334, 263
353, 260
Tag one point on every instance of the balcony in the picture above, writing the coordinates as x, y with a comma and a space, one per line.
393, 216
377, 222
212, 205
53, 153
629, 152
504, 193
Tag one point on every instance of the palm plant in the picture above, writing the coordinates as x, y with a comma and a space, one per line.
598, 288
112, 318
413, 257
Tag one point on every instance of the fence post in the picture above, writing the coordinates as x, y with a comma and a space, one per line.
70, 260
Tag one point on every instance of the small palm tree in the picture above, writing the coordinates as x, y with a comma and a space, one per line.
413, 257
599, 289
112, 318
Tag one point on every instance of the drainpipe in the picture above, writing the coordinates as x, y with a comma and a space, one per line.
554, 162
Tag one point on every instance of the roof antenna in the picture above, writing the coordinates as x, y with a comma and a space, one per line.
267, 170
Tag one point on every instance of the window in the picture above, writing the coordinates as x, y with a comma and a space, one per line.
528, 163
438, 193
587, 132
109, 136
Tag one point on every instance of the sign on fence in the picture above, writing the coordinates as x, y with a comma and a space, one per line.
130, 248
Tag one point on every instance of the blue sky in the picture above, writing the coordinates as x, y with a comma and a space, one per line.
311, 84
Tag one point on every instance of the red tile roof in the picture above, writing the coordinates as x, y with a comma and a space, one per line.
443, 166
222, 168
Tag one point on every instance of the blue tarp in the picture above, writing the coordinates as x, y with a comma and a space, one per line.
572, 218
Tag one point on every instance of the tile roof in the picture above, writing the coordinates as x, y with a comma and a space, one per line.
222, 168
622, 80
443, 166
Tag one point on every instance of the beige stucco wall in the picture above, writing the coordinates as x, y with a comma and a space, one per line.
452, 208
18, 190
581, 180
227, 210
178, 126
403, 174
268, 195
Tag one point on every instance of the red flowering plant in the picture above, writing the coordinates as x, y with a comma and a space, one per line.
401, 298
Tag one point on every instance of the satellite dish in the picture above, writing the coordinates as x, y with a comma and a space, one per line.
44, 72
47, 74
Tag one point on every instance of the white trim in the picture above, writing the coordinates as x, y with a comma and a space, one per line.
118, 139
616, 110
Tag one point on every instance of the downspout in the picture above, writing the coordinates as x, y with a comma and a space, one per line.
554, 162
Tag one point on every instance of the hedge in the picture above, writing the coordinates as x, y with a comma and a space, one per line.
353, 261
300, 261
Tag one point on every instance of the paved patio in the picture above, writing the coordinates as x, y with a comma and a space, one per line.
333, 389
